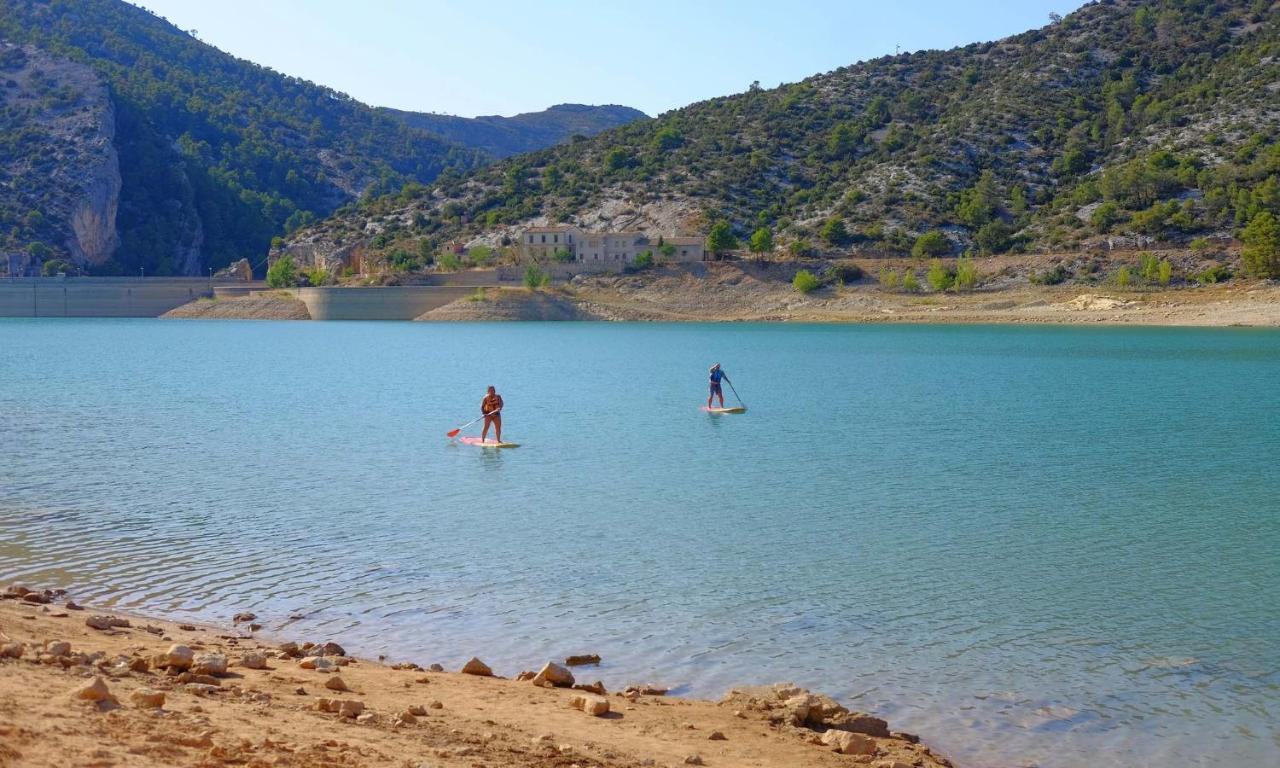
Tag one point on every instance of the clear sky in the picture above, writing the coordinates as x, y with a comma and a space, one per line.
506, 56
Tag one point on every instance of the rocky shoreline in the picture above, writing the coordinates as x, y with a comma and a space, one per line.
85, 687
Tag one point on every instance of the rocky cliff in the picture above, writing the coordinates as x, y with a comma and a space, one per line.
58, 161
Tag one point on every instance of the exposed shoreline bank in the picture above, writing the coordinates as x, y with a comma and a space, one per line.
107, 688
736, 292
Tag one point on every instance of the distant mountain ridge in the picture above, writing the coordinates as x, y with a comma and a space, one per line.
1127, 121
505, 136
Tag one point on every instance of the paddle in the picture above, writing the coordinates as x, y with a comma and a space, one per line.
735, 392
454, 432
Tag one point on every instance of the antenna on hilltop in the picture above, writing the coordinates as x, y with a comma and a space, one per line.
897, 49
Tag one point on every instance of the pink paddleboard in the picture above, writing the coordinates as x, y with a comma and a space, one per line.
736, 409
488, 443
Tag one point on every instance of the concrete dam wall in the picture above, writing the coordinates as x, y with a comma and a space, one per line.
97, 296
387, 303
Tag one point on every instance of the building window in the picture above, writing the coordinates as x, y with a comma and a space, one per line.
531, 238
544, 238
556, 238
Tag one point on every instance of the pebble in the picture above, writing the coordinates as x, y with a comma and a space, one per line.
145, 698
693, 760
179, 657
336, 683
590, 703
243, 617
350, 708
477, 667
716, 736
435, 705
209, 664
847, 743
368, 718
105, 622
407, 717
578, 661
200, 689
139, 664
95, 690
417, 710
57, 648
12, 650
254, 660
555, 674
436, 668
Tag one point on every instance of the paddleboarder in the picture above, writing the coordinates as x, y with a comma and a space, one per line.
491, 407
717, 373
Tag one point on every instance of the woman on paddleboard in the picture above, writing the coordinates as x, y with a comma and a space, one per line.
491, 407
716, 375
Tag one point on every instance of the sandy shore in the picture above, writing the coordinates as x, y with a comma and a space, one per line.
90, 688
261, 306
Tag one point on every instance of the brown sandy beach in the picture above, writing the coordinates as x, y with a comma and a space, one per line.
87, 688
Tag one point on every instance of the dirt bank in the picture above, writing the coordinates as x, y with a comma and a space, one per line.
511, 304
744, 292
259, 306
86, 688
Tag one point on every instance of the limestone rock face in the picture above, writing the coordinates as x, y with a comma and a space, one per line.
69, 172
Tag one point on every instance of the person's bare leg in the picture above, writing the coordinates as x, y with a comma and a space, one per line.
709, 396
484, 433
720, 394
497, 428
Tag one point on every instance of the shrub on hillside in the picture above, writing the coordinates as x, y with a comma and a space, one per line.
909, 282
932, 243
1218, 273
805, 281
1055, 276
1261, 253
282, 273
939, 276
843, 274
888, 278
55, 266
535, 278
966, 274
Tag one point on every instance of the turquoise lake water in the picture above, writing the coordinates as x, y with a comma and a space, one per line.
1055, 546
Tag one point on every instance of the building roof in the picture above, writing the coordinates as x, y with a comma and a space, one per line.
684, 240
549, 230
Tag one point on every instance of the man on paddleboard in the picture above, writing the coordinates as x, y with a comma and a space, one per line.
491, 407
716, 375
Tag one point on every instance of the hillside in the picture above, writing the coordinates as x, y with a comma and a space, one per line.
1126, 121
204, 156
505, 136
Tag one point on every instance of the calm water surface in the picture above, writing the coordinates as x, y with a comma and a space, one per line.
1032, 545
